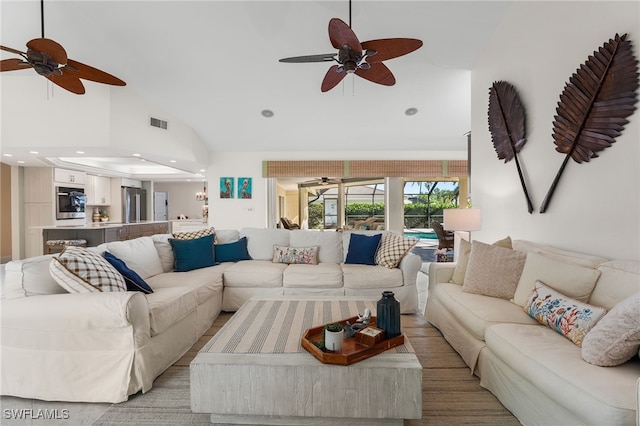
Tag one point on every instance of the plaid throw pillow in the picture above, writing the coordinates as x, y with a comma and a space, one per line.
196, 234
78, 270
392, 249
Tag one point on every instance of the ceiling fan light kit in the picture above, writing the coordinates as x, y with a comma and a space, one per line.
362, 59
49, 59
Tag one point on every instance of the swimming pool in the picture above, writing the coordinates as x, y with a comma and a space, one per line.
421, 234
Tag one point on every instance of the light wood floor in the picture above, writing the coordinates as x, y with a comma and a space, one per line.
451, 395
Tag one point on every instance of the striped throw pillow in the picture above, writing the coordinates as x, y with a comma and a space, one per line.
196, 234
392, 249
79, 270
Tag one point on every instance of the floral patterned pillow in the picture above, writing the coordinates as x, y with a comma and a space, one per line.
567, 316
299, 255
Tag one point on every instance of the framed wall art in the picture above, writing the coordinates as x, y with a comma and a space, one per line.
244, 188
226, 187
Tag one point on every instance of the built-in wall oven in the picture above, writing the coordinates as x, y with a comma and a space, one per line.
70, 202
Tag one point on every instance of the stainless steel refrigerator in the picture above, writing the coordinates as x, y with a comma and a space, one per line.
134, 204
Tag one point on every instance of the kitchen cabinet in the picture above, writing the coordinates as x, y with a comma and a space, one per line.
98, 190
69, 176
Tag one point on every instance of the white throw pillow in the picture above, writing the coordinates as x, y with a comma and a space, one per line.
165, 251
464, 251
139, 254
574, 281
80, 271
615, 339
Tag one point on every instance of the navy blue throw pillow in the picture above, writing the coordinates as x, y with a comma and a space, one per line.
232, 252
362, 249
131, 277
193, 254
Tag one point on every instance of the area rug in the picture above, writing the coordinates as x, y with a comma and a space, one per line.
168, 403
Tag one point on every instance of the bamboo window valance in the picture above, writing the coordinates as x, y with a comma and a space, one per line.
365, 168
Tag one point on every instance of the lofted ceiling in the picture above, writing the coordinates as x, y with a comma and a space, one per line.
214, 66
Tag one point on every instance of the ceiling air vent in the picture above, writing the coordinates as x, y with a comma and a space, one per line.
156, 122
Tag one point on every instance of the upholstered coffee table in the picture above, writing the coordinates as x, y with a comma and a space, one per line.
254, 370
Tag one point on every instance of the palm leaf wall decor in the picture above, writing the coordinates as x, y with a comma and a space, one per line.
507, 126
594, 105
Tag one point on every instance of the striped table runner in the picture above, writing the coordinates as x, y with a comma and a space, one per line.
276, 326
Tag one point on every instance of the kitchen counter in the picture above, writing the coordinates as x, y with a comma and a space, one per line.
97, 233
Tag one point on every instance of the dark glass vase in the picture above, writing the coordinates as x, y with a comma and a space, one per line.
388, 314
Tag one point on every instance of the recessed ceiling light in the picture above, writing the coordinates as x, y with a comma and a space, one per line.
20, 162
7, 155
34, 152
172, 161
136, 155
202, 170
411, 111
267, 113
79, 152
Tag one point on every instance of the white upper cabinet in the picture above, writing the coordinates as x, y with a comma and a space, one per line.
98, 191
69, 176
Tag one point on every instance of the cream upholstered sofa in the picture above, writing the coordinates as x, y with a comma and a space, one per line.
105, 346
536, 372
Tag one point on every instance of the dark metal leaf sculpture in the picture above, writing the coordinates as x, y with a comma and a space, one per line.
507, 126
594, 105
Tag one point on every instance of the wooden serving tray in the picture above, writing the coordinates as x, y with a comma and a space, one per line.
352, 351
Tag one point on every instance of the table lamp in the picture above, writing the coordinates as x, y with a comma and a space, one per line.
462, 221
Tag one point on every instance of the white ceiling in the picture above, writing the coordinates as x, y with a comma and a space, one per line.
214, 65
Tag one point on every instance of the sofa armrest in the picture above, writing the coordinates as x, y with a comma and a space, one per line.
77, 321
410, 266
440, 272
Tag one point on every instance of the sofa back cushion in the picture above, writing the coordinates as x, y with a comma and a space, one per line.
139, 254
329, 243
619, 280
586, 260
224, 236
29, 277
260, 241
572, 280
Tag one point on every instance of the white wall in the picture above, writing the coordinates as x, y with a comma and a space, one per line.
596, 206
182, 198
236, 213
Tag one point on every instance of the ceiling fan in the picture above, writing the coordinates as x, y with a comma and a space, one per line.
49, 59
362, 59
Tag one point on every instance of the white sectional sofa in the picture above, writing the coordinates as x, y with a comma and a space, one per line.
536, 372
105, 346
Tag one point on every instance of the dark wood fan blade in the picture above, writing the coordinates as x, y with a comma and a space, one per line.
9, 49
80, 70
50, 47
68, 82
327, 57
389, 48
377, 73
332, 78
340, 34
13, 65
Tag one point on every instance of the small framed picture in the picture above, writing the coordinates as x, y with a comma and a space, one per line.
226, 187
244, 188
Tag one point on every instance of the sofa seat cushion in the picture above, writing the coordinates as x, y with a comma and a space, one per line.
205, 282
254, 273
365, 276
322, 275
169, 305
554, 365
476, 312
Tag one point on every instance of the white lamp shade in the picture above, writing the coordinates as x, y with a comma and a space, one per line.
462, 219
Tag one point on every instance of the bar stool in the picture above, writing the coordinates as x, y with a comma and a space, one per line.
56, 246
